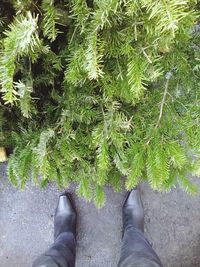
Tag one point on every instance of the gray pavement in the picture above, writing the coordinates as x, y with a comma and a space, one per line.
172, 224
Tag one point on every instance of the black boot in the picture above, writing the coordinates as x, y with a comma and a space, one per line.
133, 213
136, 250
65, 216
63, 251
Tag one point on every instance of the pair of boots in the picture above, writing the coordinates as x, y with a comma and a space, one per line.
65, 216
136, 250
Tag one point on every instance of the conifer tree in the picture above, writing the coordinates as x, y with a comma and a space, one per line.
95, 91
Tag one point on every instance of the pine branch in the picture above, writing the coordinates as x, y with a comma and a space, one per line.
176, 154
136, 76
80, 12
135, 174
84, 189
94, 57
41, 153
99, 197
187, 186
196, 168
21, 39
50, 20
167, 15
168, 76
102, 162
24, 91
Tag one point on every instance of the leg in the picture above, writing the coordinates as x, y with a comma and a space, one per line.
62, 252
136, 250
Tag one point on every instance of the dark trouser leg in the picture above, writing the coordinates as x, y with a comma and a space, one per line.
60, 254
136, 250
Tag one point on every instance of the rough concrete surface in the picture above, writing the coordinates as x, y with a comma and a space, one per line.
172, 224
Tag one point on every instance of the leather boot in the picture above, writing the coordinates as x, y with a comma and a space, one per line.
65, 216
133, 212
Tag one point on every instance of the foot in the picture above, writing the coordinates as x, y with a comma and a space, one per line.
133, 213
65, 216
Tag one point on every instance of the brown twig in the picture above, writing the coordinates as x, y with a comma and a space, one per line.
162, 103
168, 77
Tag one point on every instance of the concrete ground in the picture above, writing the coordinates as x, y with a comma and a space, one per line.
26, 223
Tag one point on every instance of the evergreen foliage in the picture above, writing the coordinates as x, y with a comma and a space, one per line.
94, 91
